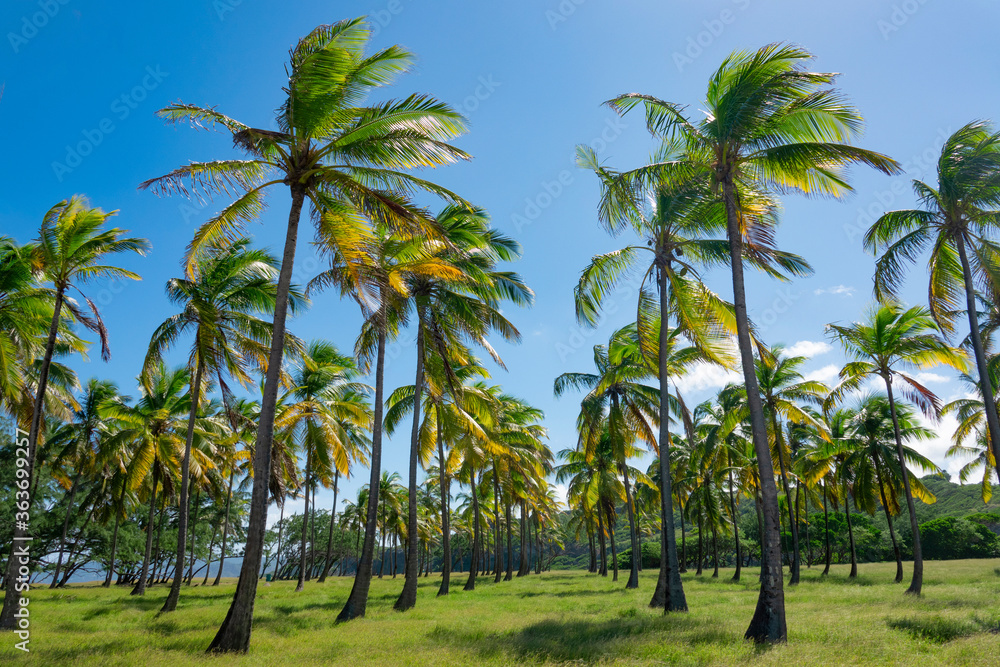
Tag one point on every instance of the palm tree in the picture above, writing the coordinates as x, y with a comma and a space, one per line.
347, 160
978, 454
226, 287
25, 314
457, 298
616, 402
957, 217
769, 125
878, 478
328, 408
891, 339
782, 386
77, 447
72, 246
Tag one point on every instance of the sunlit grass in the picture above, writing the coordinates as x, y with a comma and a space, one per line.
555, 618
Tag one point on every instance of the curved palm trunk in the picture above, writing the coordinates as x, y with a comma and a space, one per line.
234, 635
333, 523
408, 597
65, 529
470, 584
170, 604
826, 530
633, 578
445, 512
888, 519
768, 623
850, 532
12, 597
792, 524
736, 527
225, 528
670, 569
918, 560
357, 602
312, 536
140, 587
593, 550
305, 524
985, 385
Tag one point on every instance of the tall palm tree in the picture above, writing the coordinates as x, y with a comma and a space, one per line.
770, 124
978, 453
348, 160
958, 217
878, 478
457, 298
327, 408
25, 314
889, 340
620, 404
782, 387
72, 248
227, 286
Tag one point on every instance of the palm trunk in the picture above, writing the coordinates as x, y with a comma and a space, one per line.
604, 553
826, 527
114, 546
684, 549
985, 384
522, 569
496, 524
701, 541
850, 532
736, 527
234, 635
170, 604
333, 522
12, 597
77, 547
65, 529
194, 536
614, 548
408, 596
358, 600
768, 623
888, 519
445, 511
510, 545
918, 560
305, 524
140, 587
312, 535
211, 547
670, 572
225, 528
715, 551
281, 527
793, 528
470, 584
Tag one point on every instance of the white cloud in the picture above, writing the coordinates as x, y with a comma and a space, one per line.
826, 375
706, 376
808, 348
842, 290
930, 378
562, 493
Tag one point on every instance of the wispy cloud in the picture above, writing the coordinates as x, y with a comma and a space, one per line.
842, 290
826, 375
808, 348
706, 376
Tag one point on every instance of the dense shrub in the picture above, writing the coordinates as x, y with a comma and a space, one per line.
949, 537
650, 556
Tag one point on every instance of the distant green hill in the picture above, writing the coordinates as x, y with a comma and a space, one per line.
953, 499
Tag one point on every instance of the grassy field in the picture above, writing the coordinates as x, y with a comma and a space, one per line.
556, 618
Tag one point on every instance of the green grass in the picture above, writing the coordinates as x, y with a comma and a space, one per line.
556, 618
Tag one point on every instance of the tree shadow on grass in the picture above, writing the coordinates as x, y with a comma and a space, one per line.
585, 641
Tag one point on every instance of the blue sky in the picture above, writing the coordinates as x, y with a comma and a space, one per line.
82, 82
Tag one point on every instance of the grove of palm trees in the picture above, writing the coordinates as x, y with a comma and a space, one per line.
330, 400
